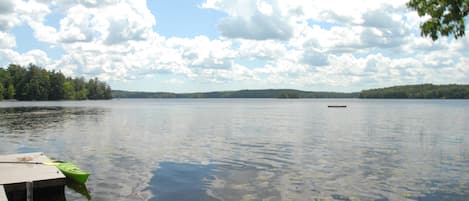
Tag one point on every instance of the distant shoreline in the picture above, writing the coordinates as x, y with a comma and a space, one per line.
261, 93
423, 91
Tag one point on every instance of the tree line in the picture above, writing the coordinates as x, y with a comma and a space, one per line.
35, 83
423, 91
262, 93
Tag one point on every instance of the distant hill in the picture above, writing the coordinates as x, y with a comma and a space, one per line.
263, 93
423, 91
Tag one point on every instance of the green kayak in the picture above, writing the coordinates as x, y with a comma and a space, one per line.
73, 172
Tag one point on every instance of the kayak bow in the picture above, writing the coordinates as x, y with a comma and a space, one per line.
72, 171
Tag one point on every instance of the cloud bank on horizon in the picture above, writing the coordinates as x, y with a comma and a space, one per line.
208, 45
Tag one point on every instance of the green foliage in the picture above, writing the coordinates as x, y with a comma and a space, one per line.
289, 95
425, 91
2, 90
57, 81
81, 92
97, 89
35, 83
6, 83
11, 92
108, 92
3, 82
69, 90
446, 17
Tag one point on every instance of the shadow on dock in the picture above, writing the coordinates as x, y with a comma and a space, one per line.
17, 192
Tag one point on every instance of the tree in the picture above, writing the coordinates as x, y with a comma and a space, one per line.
80, 89
7, 84
18, 78
69, 90
98, 90
92, 89
108, 93
56, 91
37, 84
446, 17
3, 80
451, 91
1, 91
10, 92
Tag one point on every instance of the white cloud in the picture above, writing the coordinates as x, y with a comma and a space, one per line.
201, 52
314, 58
297, 43
8, 17
264, 7
256, 20
267, 49
6, 7
77, 25
37, 57
235, 73
7, 40
109, 23
134, 22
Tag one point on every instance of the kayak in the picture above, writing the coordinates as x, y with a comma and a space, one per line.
73, 172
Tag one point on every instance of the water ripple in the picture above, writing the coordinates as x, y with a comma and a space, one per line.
251, 149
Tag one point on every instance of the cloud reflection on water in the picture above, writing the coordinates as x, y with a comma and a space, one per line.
258, 149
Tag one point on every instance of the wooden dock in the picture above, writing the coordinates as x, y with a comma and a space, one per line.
25, 177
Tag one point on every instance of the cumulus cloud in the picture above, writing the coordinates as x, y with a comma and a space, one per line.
89, 21
77, 25
201, 52
256, 27
6, 6
7, 40
297, 43
38, 57
383, 28
8, 18
256, 20
134, 22
314, 58
265, 50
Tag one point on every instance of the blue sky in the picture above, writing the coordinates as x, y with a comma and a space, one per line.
208, 45
184, 19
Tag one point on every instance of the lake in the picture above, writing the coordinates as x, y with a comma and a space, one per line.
251, 149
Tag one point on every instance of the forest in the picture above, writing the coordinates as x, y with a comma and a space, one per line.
35, 83
261, 93
423, 91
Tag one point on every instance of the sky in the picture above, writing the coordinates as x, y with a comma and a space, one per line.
211, 45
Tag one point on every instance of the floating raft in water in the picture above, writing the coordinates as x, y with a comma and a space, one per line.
337, 106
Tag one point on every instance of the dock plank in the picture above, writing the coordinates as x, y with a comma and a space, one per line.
20, 173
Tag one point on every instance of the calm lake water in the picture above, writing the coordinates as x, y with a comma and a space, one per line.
256, 149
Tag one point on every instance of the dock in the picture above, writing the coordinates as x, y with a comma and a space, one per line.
25, 177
